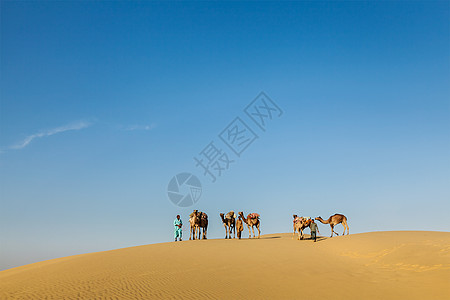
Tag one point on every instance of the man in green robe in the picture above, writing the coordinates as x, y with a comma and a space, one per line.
178, 224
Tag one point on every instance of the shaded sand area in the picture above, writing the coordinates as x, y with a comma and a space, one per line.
375, 265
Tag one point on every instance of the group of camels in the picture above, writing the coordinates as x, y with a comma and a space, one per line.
300, 223
233, 223
199, 224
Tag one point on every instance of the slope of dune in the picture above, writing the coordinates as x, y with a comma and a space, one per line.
376, 265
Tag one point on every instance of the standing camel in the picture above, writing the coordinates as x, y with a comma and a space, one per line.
202, 224
229, 222
300, 223
333, 221
194, 223
251, 221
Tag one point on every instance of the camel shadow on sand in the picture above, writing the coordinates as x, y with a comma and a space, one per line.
269, 237
261, 238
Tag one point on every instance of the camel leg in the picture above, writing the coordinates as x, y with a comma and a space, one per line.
346, 227
259, 231
336, 233
332, 231
249, 232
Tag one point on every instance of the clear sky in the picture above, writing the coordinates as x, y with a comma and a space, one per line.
103, 103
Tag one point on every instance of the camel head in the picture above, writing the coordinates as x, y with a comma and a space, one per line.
318, 218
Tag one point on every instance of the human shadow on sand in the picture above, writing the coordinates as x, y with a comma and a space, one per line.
320, 238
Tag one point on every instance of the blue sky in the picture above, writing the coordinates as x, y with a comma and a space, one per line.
102, 103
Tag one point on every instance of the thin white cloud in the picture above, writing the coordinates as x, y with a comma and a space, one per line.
140, 127
72, 126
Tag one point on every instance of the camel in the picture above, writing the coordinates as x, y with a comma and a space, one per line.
229, 222
252, 220
239, 227
194, 224
335, 220
300, 223
202, 224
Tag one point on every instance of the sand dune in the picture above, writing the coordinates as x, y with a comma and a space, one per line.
376, 265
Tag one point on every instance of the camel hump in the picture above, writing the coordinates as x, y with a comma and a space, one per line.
339, 216
230, 215
253, 216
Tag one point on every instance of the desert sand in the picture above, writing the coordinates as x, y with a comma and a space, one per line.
375, 265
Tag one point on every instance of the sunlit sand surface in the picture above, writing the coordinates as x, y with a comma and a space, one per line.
375, 265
